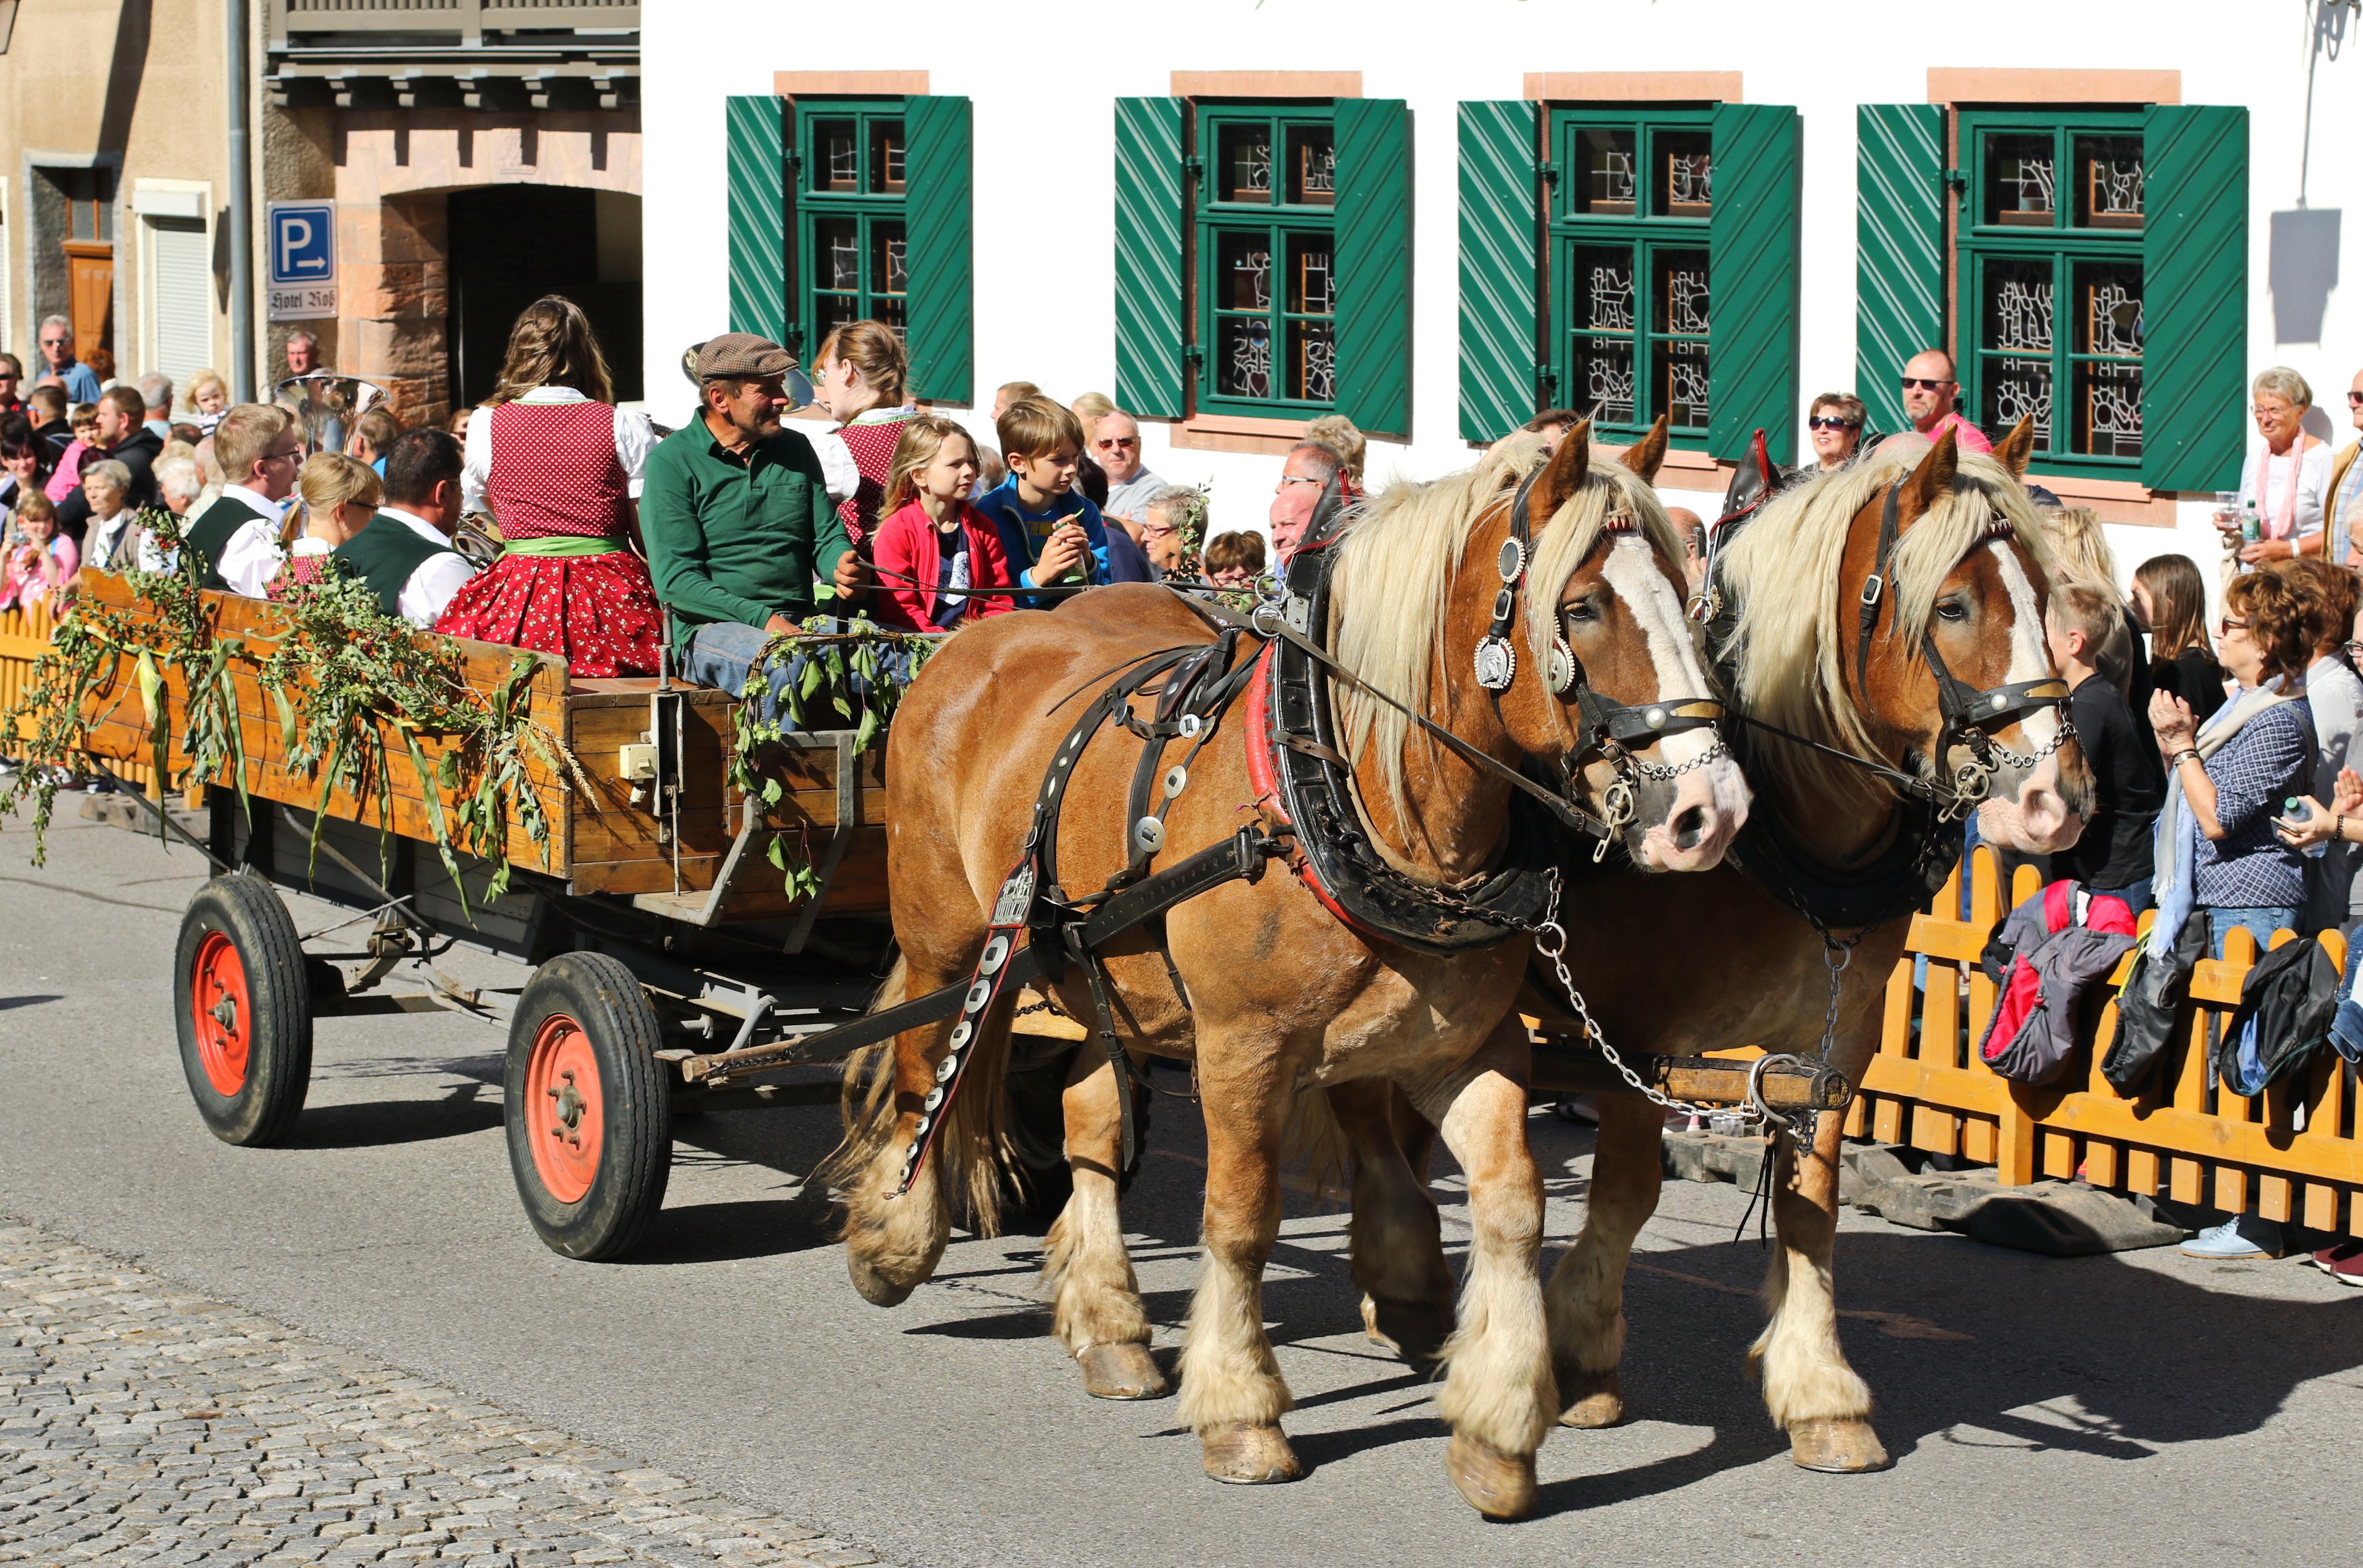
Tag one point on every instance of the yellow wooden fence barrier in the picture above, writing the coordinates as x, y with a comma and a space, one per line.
2290, 1153
24, 638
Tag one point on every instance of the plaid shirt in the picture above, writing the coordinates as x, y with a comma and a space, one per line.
2269, 760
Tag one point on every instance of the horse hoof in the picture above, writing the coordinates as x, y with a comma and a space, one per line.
1245, 1454
1835, 1447
1591, 1399
1416, 1330
1121, 1372
875, 1287
1498, 1485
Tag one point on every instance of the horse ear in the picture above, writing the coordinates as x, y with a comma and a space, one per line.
1646, 456
1932, 480
2017, 447
1561, 477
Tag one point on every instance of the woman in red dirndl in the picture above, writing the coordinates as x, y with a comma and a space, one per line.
858, 376
560, 467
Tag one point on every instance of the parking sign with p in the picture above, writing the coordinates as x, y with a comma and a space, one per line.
303, 260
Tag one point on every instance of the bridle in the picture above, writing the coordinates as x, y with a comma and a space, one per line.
1968, 712
1615, 732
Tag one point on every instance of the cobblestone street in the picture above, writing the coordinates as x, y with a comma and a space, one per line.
145, 1424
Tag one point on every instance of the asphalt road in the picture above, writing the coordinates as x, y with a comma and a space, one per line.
2100, 1410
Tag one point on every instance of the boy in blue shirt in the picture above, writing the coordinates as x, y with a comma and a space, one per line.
1049, 531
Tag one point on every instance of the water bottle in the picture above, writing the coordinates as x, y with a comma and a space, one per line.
2249, 528
2305, 812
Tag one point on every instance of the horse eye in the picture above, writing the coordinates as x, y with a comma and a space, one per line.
1581, 610
1952, 609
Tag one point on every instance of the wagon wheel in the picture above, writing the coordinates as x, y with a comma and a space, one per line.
588, 1108
242, 1004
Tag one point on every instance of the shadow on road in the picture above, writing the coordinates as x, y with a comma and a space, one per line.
379, 1123
8, 1004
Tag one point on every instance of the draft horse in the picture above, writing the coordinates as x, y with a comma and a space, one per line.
1260, 983
1831, 848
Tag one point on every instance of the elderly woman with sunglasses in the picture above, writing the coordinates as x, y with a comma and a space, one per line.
2287, 475
1835, 425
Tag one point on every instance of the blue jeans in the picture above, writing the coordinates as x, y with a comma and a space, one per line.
2137, 897
2262, 920
723, 653
2346, 1025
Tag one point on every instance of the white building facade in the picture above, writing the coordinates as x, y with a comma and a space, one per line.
1234, 218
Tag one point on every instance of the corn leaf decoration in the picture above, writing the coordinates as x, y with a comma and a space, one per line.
341, 675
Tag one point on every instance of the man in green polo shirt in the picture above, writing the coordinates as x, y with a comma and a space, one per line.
737, 520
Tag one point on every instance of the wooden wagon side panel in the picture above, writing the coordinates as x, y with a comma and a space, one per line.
620, 844
117, 728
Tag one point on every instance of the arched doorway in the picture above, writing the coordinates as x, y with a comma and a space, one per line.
511, 244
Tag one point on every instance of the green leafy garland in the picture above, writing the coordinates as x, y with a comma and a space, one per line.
833, 651
342, 670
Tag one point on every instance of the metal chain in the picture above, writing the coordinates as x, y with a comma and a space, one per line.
1599, 1041
1650, 770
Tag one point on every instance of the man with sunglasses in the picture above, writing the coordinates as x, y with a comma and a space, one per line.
80, 382
1932, 400
1116, 444
2346, 487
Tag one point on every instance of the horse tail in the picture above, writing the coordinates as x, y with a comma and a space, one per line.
1314, 1136
971, 1151
866, 1094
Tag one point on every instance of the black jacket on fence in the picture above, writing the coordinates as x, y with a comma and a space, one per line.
2149, 1005
2283, 1017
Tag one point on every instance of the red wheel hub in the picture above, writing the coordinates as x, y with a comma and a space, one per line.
222, 1011
563, 1111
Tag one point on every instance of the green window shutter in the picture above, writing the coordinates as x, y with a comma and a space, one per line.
1149, 339
1899, 249
2194, 296
1499, 189
756, 150
1373, 263
1753, 273
939, 225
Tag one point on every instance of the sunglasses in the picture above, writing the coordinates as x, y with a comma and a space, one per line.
1920, 384
1119, 441
2227, 625
2355, 398
1825, 422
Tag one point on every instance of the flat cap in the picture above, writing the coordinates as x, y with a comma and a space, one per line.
742, 353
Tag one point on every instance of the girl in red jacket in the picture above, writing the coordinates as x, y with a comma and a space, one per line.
931, 544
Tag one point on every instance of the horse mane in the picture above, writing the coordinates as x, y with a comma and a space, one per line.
1788, 648
1397, 562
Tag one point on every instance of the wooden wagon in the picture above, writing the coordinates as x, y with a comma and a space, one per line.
673, 969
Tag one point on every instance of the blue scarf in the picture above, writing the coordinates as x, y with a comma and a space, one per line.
2176, 851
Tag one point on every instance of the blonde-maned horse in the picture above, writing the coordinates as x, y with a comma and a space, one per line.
1686, 965
1283, 995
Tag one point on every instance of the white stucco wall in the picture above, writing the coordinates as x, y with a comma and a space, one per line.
1045, 144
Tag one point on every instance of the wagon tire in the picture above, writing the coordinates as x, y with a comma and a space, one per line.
587, 1108
242, 1008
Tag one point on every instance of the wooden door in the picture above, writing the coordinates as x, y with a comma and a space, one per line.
90, 273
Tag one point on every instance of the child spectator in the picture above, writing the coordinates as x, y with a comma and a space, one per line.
2170, 599
2128, 782
336, 497
1234, 559
1050, 534
66, 477
40, 567
560, 467
931, 543
207, 396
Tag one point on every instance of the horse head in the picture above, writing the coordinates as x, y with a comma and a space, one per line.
1617, 689
1947, 650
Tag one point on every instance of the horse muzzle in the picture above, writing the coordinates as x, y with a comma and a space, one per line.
1686, 823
